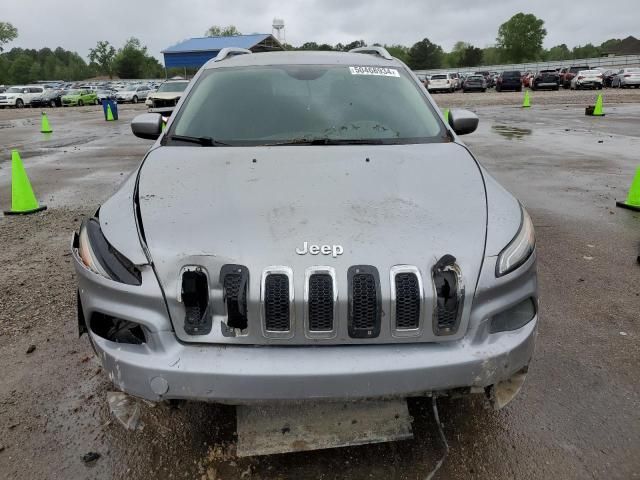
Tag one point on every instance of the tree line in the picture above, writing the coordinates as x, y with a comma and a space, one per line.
20, 66
519, 39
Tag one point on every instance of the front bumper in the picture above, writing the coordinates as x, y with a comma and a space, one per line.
165, 368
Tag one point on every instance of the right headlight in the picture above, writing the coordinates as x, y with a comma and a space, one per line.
519, 249
101, 258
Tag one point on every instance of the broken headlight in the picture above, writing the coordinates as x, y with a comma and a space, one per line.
101, 258
519, 249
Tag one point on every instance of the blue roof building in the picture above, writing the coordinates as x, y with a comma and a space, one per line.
195, 52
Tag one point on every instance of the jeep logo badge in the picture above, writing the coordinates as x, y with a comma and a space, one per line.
333, 250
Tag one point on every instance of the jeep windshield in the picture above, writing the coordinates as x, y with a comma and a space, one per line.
305, 104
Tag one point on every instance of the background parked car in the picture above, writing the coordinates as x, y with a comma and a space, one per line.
441, 83
587, 79
527, 79
474, 83
546, 79
106, 94
487, 78
572, 72
79, 97
167, 96
455, 78
20, 95
133, 94
627, 78
50, 98
607, 77
509, 80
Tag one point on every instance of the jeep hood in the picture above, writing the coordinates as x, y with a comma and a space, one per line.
253, 206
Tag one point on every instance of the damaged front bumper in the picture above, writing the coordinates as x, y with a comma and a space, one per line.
162, 367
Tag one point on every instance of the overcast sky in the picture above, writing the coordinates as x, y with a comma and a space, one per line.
78, 24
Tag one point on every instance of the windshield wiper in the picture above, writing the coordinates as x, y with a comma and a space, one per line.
328, 141
204, 141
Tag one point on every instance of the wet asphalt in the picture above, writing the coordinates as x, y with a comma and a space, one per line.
578, 415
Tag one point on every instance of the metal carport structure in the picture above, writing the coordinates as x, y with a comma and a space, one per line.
195, 52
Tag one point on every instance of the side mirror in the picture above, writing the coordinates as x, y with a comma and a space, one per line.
147, 126
463, 121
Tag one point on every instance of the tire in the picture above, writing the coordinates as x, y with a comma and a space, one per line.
134, 100
80, 103
498, 89
52, 104
519, 89
96, 102
484, 90
556, 88
19, 103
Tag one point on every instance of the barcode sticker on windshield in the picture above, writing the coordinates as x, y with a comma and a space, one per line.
380, 71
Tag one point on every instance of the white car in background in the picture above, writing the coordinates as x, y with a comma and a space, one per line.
441, 82
20, 95
133, 93
587, 79
626, 78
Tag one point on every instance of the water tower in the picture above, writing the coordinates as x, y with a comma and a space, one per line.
278, 28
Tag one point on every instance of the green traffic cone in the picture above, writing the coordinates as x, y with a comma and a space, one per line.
45, 127
526, 103
109, 114
23, 200
597, 110
633, 197
445, 113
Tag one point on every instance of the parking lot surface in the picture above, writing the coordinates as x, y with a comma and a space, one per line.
576, 417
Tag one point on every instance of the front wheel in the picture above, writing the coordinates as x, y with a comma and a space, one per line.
52, 103
484, 90
19, 103
80, 103
96, 102
134, 99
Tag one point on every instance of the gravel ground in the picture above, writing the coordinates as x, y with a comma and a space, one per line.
577, 416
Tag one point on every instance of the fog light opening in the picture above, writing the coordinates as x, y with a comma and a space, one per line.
513, 318
116, 329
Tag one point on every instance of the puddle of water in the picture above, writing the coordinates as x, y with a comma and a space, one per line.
511, 132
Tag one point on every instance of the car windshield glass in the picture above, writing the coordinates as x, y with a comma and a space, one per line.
633, 70
173, 87
438, 77
475, 77
577, 69
14, 90
511, 75
265, 105
73, 92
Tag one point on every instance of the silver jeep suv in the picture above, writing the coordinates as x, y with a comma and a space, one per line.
308, 226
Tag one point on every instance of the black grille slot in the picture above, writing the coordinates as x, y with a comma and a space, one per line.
320, 302
446, 318
407, 301
364, 302
235, 279
449, 297
276, 303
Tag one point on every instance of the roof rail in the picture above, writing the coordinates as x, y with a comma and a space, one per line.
230, 52
381, 51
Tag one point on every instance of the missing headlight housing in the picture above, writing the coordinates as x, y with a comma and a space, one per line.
101, 258
519, 249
